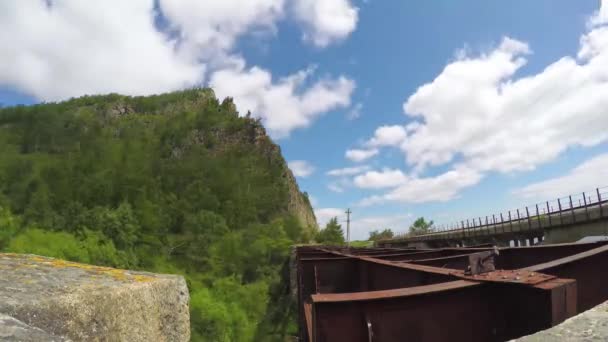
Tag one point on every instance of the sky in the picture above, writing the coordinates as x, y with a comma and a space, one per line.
396, 109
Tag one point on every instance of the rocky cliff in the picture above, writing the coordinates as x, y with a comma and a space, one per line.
299, 203
45, 299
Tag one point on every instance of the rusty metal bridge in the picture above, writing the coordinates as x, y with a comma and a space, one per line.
447, 294
564, 219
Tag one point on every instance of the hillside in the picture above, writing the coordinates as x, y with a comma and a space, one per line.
175, 183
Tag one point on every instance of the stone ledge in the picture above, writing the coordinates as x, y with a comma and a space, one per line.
84, 302
591, 325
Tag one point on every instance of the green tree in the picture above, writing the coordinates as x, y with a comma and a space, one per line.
332, 234
376, 235
421, 226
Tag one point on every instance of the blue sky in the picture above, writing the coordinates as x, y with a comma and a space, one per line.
397, 109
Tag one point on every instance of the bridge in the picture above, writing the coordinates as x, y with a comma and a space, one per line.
565, 219
446, 294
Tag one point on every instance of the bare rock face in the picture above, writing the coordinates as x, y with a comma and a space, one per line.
13, 330
46, 299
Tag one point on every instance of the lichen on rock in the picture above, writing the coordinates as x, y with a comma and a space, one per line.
90, 303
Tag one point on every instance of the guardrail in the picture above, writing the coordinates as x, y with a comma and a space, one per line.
569, 209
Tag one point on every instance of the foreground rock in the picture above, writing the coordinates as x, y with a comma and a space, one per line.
45, 299
14, 330
591, 325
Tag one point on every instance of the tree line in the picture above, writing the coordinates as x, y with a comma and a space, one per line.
333, 234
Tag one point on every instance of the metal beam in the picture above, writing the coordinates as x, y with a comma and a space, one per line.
348, 297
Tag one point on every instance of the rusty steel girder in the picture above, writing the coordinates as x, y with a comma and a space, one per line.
407, 295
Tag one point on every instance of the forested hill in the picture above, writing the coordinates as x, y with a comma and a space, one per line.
175, 183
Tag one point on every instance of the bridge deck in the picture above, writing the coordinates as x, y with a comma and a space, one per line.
529, 223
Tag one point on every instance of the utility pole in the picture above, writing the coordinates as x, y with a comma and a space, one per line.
348, 212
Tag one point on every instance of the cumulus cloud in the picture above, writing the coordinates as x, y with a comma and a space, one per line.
478, 113
326, 21
388, 136
441, 188
477, 109
359, 155
74, 47
214, 26
282, 105
66, 48
589, 175
348, 171
601, 16
301, 168
386, 178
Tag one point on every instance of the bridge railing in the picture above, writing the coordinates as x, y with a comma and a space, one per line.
564, 210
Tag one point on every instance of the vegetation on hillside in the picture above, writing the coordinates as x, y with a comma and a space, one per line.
175, 183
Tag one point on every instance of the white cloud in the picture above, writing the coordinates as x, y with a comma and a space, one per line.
440, 188
388, 136
358, 155
477, 109
601, 17
77, 47
301, 168
282, 105
65, 48
387, 178
213, 26
589, 175
348, 171
326, 21
479, 113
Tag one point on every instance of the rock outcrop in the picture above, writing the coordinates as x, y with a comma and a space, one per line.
46, 299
